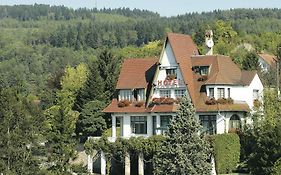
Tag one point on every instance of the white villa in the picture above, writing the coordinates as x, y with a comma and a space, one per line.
149, 90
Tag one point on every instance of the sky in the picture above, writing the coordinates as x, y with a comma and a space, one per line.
163, 7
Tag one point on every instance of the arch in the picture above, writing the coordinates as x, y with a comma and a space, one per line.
234, 122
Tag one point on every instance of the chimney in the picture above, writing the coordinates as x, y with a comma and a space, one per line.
209, 42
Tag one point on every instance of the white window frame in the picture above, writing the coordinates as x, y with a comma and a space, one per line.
125, 94
179, 93
221, 93
211, 95
165, 93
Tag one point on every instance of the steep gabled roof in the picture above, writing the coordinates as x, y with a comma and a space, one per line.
136, 73
183, 48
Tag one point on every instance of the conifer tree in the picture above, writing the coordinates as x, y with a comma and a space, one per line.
184, 151
93, 88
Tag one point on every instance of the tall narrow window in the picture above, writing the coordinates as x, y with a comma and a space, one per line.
209, 124
255, 94
141, 95
228, 92
125, 95
139, 124
211, 93
154, 125
165, 93
221, 93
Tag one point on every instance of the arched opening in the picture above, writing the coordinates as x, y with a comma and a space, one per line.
234, 123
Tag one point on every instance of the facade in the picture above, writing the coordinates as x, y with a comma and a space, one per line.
267, 62
149, 90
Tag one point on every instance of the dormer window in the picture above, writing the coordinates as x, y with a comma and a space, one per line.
141, 95
125, 94
204, 70
211, 93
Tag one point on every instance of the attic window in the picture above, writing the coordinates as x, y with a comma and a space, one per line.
202, 70
171, 72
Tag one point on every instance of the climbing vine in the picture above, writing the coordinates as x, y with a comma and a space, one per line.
134, 145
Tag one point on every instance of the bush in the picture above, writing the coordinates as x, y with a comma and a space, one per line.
277, 167
226, 151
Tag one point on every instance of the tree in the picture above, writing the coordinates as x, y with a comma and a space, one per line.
93, 88
61, 120
183, 151
265, 148
250, 62
91, 120
108, 67
19, 127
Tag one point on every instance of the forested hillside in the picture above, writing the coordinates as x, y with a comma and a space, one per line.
43, 48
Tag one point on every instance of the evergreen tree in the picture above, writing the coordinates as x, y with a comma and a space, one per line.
183, 151
108, 67
93, 88
250, 62
19, 126
91, 120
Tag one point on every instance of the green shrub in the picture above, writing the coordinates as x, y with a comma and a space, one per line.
226, 151
277, 167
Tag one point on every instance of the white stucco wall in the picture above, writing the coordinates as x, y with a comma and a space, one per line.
167, 61
241, 94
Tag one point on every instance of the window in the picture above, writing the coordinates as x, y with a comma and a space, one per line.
154, 125
204, 70
141, 95
165, 93
171, 72
234, 122
221, 93
125, 95
255, 94
211, 93
164, 122
179, 93
139, 124
228, 92
209, 124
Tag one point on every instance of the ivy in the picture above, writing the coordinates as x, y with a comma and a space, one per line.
134, 145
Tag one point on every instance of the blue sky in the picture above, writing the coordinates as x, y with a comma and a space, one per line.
163, 7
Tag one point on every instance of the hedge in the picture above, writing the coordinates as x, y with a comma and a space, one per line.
226, 148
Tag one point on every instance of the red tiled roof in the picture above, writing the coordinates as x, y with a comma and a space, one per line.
269, 59
136, 73
113, 108
183, 48
222, 71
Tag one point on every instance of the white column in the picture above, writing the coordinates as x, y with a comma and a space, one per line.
149, 125
113, 126
103, 163
127, 164
213, 171
126, 126
158, 132
141, 166
90, 164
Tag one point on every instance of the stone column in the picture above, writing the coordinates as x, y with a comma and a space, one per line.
113, 126
127, 164
103, 163
141, 164
90, 164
